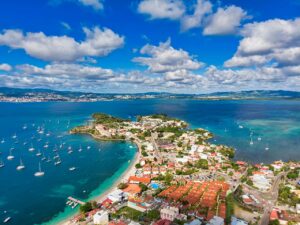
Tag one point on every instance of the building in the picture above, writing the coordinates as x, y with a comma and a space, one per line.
101, 218
216, 221
169, 213
194, 222
117, 196
137, 180
236, 221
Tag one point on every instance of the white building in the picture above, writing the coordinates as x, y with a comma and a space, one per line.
261, 182
169, 213
216, 221
117, 196
101, 218
236, 221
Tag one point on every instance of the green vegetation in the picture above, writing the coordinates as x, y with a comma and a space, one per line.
228, 152
177, 131
103, 118
287, 197
86, 207
202, 164
293, 174
138, 166
122, 186
229, 208
128, 213
143, 187
274, 222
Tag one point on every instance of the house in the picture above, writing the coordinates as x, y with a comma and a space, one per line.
117, 196
101, 218
169, 213
216, 221
236, 221
194, 222
137, 180
138, 204
162, 222
132, 189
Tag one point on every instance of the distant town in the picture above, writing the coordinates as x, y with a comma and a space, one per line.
179, 177
46, 95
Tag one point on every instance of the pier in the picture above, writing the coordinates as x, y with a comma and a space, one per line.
73, 202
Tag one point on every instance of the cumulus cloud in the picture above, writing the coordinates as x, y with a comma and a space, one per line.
202, 8
274, 41
98, 42
162, 9
164, 58
5, 67
95, 4
225, 21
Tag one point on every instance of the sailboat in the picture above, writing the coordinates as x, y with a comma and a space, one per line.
70, 150
39, 153
88, 147
25, 127
49, 159
1, 163
251, 141
80, 149
21, 166
7, 219
58, 162
259, 138
72, 168
31, 149
44, 157
267, 148
14, 136
40, 173
2, 141
10, 156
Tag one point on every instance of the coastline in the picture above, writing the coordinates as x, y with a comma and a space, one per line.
124, 176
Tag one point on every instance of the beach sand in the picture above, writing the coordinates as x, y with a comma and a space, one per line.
123, 178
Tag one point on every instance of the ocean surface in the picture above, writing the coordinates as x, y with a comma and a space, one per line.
261, 131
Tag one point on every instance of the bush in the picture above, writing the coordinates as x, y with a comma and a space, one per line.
86, 207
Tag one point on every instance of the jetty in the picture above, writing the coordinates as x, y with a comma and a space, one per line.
74, 201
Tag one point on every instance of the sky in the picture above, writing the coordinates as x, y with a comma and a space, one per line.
123, 46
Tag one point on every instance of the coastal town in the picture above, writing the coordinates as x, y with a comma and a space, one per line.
179, 177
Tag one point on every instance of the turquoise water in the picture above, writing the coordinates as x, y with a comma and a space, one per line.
31, 200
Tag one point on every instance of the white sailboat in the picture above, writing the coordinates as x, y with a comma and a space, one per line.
21, 166
88, 147
251, 141
259, 138
58, 162
44, 157
14, 136
39, 153
40, 173
1, 163
31, 149
2, 141
267, 148
72, 168
7, 219
80, 149
10, 156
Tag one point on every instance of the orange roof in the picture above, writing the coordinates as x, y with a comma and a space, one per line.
145, 180
117, 223
133, 189
274, 215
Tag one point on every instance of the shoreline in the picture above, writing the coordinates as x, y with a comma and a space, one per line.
124, 176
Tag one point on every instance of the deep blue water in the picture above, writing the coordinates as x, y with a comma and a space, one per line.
31, 200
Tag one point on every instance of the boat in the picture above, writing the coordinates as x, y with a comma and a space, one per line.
39, 153
49, 159
70, 151
88, 147
46, 145
14, 136
72, 168
58, 162
80, 149
1, 163
44, 157
7, 219
2, 141
48, 134
259, 138
241, 127
40, 173
31, 149
21, 166
10, 156
267, 148
24, 127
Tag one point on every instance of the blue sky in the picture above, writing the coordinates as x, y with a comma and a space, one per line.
193, 46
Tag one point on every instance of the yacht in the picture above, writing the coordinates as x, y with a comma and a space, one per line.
46, 145
39, 153
267, 148
40, 173
251, 141
21, 166
10, 156
24, 127
31, 149
7, 219
49, 159
2, 141
14, 136
58, 162
80, 149
259, 138
1, 163
72, 168
241, 127
44, 157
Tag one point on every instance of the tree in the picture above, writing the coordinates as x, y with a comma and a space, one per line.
143, 187
202, 164
274, 222
122, 186
138, 166
168, 178
86, 207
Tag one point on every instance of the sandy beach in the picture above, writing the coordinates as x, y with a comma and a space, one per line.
124, 177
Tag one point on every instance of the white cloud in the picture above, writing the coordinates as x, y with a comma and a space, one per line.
274, 40
164, 58
5, 67
225, 21
162, 9
98, 42
202, 8
95, 4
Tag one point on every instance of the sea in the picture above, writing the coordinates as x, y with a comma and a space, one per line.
259, 130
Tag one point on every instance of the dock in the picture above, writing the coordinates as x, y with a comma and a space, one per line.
74, 200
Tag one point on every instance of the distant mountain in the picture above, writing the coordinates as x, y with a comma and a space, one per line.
31, 95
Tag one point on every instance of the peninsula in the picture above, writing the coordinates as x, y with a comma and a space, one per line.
179, 177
